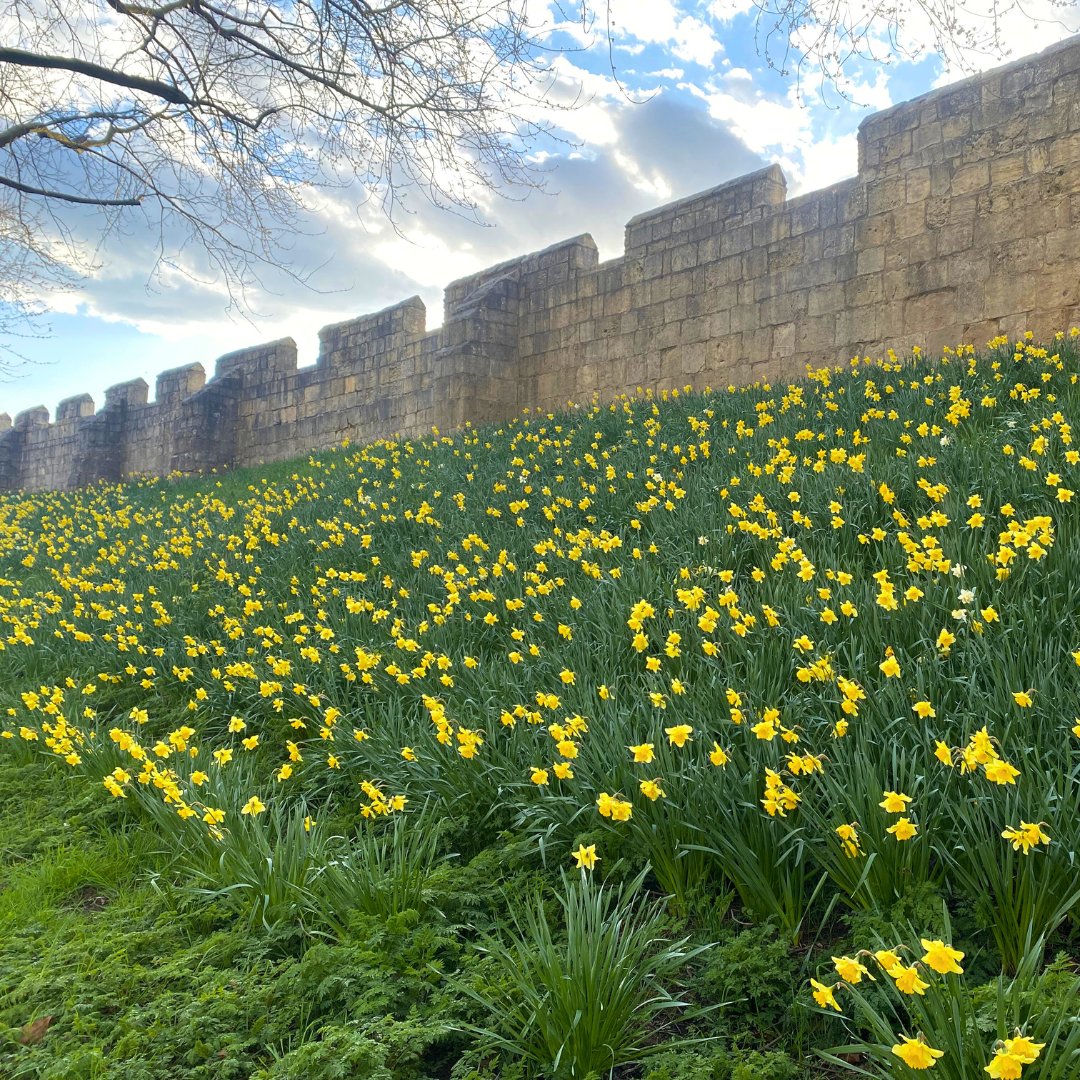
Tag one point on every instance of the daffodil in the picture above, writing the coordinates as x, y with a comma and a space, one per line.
941, 957
890, 667
916, 1053
894, 802
1026, 836
824, 995
849, 969
679, 734
586, 857
652, 790
904, 829
887, 958
907, 979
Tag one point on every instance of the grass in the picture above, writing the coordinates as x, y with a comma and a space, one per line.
296, 763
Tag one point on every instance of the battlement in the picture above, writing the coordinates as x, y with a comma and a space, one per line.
706, 216
179, 383
963, 222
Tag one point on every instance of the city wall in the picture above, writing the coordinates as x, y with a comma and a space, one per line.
963, 222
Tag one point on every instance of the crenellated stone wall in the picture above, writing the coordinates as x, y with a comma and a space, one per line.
963, 222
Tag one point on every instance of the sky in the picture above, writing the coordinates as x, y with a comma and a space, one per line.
677, 100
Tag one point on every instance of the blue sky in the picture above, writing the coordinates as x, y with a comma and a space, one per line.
690, 104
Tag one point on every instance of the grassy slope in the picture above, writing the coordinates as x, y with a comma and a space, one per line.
145, 976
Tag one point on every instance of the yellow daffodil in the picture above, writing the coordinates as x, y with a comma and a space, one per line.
679, 734
941, 957
1028, 835
904, 829
824, 995
850, 969
586, 857
890, 667
894, 802
652, 790
916, 1053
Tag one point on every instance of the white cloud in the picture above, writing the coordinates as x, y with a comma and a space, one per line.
653, 184
633, 158
823, 162
725, 11
430, 260
766, 125
661, 22
695, 43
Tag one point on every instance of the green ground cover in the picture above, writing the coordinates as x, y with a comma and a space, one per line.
729, 735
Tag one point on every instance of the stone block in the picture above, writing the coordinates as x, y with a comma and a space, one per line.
872, 231
969, 178
851, 202
912, 251
857, 326
755, 264
737, 241
28, 419
782, 341
770, 230
863, 291
930, 311
804, 215
816, 336
870, 260
825, 300
917, 185
908, 221
684, 257
837, 240
256, 364
1048, 124
955, 238
693, 357
1064, 151
1061, 247
73, 408
786, 254
928, 135
132, 393
1007, 169
885, 194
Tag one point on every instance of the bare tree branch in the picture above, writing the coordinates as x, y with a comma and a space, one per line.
96, 71
65, 196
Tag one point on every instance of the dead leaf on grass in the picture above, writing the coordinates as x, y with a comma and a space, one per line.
33, 1032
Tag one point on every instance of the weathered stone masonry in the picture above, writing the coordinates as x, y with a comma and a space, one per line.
963, 222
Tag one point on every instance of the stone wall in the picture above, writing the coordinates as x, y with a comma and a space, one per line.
963, 222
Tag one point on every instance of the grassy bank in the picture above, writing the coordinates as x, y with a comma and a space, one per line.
725, 735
